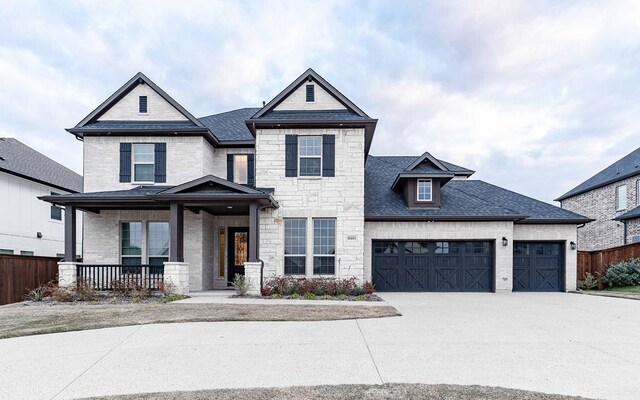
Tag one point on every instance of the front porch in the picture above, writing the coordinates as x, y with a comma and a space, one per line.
196, 235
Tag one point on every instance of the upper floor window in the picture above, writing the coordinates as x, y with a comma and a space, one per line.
311, 94
621, 198
56, 212
424, 190
143, 162
142, 104
310, 155
241, 169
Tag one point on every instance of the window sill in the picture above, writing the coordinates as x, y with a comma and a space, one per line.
310, 178
143, 183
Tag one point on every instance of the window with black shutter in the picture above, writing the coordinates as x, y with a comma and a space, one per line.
142, 104
311, 95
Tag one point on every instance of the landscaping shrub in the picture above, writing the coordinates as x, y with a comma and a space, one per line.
589, 282
167, 288
318, 287
624, 273
173, 297
84, 291
241, 284
130, 288
309, 296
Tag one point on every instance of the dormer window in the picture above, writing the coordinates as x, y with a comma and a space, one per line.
311, 94
142, 104
424, 190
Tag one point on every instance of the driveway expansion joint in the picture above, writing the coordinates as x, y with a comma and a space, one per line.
369, 351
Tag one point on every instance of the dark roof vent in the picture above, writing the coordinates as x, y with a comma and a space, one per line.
2, 158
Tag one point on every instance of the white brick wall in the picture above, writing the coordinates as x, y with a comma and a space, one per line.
188, 158
340, 197
127, 108
600, 204
216, 164
298, 100
493, 231
560, 233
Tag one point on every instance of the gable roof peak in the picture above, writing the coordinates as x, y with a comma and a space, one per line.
138, 79
426, 156
310, 73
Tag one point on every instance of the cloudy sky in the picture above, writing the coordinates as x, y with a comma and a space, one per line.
536, 96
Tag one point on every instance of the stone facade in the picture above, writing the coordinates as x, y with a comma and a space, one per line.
340, 197
600, 205
188, 158
633, 230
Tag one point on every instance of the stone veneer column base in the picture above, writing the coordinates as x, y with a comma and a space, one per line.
178, 274
67, 273
253, 276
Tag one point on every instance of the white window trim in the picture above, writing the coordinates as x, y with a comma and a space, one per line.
235, 175
133, 165
313, 248
320, 156
142, 241
617, 198
148, 237
306, 243
430, 191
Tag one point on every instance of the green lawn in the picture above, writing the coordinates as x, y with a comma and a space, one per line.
624, 289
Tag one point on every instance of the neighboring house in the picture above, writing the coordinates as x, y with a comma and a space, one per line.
291, 186
27, 225
611, 198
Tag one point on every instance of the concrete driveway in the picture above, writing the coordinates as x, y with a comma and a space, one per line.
555, 343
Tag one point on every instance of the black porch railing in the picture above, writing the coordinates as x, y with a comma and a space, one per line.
113, 276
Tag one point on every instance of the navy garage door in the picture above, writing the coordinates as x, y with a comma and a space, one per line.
538, 266
433, 266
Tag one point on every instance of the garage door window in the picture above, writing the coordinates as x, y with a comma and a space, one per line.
324, 246
416, 248
477, 248
385, 247
295, 243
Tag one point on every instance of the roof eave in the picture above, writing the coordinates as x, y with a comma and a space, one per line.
53, 185
569, 194
426, 218
82, 132
555, 221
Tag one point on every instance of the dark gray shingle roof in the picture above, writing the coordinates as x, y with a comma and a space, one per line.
18, 158
230, 126
459, 198
631, 214
139, 125
314, 115
627, 166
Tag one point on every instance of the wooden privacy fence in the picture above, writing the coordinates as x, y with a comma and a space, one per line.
597, 262
19, 274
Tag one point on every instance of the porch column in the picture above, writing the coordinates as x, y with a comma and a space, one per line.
176, 232
254, 225
69, 234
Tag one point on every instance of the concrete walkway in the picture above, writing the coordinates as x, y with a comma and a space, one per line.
555, 343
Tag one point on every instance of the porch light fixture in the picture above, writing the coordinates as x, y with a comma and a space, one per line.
505, 242
229, 207
573, 245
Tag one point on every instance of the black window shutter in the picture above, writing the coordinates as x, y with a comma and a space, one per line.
251, 170
125, 162
291, 155
230, 167
161, 162
328, 155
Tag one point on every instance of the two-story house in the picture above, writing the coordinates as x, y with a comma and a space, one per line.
291, 189
28, 226
612, 199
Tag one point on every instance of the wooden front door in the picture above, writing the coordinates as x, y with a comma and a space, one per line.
238, 251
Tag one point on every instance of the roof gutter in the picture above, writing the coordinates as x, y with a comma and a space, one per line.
82, 132
451, 218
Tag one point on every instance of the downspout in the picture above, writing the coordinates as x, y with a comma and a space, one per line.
624, 237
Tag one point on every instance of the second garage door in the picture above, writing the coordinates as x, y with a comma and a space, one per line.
433, 266
538, 266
